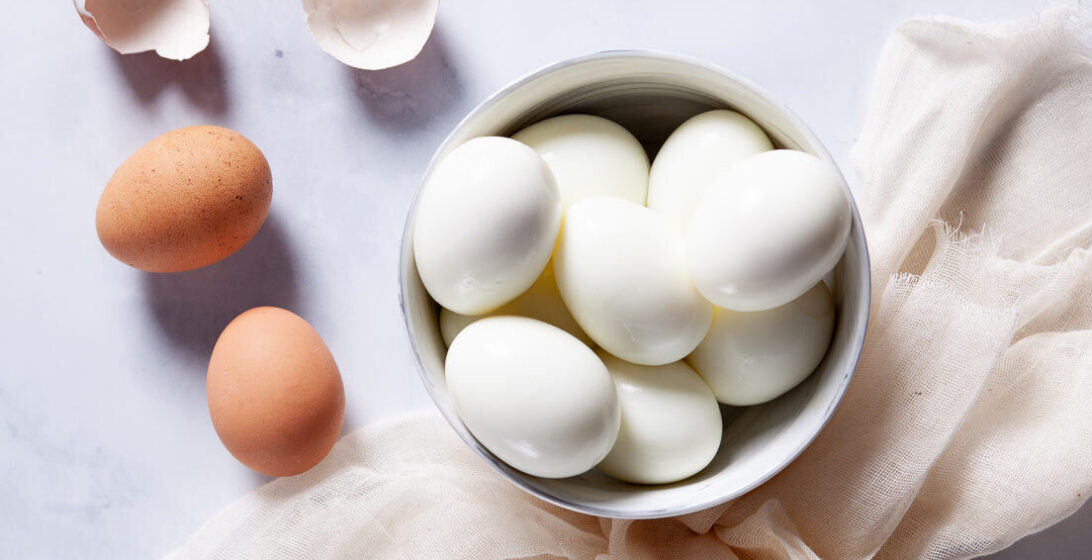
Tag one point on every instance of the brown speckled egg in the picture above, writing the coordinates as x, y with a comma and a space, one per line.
275, 393
185, 200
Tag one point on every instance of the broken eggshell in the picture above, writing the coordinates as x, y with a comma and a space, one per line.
174, 29
371, 34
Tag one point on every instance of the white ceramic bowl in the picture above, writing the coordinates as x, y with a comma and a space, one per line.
651, 94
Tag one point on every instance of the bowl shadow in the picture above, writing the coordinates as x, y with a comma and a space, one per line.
193, 307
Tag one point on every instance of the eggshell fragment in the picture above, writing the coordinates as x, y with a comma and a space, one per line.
533, 395
751, 358
274, 392
671, 425
541, 301
174, 29
186, 199
371, 34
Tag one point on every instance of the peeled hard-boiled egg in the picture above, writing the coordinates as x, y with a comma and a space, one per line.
590, 156
186, 199
671, 425
541, 301
767, 230
622, 273
274, 392
486, 224
533, 395
696, 153
753, 357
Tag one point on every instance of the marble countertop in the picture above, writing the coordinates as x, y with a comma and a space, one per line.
105, 440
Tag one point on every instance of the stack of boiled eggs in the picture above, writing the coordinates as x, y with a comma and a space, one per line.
597, 308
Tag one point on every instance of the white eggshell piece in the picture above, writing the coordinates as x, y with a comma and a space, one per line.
371, 34
753, 357
701, 149
768, 230
590, 156
533, 395
622, 274
671, 424
541, 301
486, 224
174, 29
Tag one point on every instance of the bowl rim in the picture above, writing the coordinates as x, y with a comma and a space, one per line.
796, 121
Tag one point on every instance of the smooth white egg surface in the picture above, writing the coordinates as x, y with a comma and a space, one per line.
701, 149
753, 357
590, 156
541, 301
533, 395
622, 274
767, 230
671, 424
486, 224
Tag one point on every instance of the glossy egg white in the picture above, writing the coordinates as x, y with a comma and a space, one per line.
754, 357
622, 273
541, 301
671, 425
533, 395
696, 153
486, 224
590, 156
767, 230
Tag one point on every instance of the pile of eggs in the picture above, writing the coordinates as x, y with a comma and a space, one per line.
596, 308
188, 199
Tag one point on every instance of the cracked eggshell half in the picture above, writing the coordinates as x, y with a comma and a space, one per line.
174, 29
371, 34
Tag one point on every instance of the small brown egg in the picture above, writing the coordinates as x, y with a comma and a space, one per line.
185, 200
275, 393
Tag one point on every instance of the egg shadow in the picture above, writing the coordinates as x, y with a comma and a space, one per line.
193, 307
348, 423
259, 479
201, 78
410, 95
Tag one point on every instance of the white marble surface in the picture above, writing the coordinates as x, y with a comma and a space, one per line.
105, 442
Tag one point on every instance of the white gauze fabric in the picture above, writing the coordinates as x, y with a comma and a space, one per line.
968, 424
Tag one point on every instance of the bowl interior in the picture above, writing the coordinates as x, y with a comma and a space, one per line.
650, 95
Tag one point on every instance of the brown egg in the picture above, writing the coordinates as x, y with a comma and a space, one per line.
185, 200
275, 393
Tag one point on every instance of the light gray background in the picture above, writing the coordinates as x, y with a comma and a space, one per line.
106, 448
